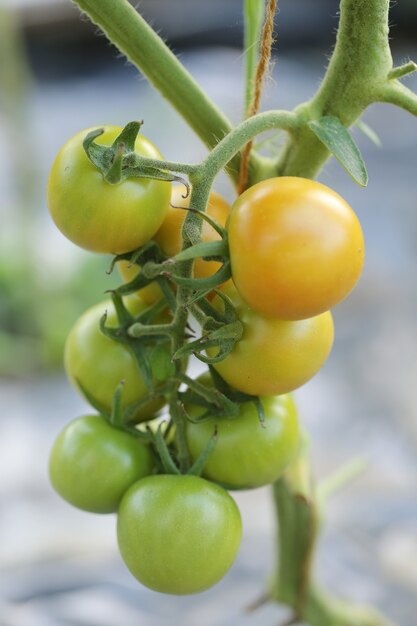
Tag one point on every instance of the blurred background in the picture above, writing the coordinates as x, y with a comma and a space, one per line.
60, 566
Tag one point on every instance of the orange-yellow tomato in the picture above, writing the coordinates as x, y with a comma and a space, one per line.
274, 356
296, 248
169, 234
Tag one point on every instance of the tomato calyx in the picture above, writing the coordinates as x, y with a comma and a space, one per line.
220, 330
120, 161
149, 257
218, 398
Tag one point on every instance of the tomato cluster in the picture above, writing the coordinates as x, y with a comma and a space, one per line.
295, 250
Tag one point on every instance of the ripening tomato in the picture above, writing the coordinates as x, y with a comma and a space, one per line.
296, 248
97, 215
178, 534
274, 356
247, 453
97, 364
92, 464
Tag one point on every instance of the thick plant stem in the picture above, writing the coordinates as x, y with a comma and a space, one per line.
298, 515
358, 69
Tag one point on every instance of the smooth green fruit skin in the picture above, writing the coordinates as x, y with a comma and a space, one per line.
178, 534
97, 364
93, 464
96, 215
247, 454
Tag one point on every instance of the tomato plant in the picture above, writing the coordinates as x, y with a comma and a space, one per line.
178, 534
96, 364
248, 453
97, 215
274, 356
296, 247
92, 464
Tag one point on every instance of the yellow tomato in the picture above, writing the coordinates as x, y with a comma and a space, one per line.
296, 248
274, 356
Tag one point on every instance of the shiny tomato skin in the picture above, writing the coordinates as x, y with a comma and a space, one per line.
93, 464
97, 215
274, 356
247, 453
178, 534
296, 247
98, 364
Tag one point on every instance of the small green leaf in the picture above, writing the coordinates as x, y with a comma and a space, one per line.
339, 142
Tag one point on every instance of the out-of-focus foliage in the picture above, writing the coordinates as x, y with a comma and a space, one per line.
35, 315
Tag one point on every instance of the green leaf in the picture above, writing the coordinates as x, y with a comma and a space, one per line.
339, 142
369, 132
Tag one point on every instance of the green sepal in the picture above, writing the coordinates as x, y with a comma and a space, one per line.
339, 142
127, 137
116, 416
124, 317
236, 396
224, 338
162, 449
207, 218
119, 161
169, 295
205, 249
161, 365
203, 284
142, 360
197, 467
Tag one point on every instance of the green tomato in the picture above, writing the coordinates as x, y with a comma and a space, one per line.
247, 454
93, 464
100, 216
97, 364
178, 534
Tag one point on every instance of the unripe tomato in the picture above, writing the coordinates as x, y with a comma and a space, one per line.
274, 356
97, 364
247, 453
178, 534
100, 216
93, 464
296, 248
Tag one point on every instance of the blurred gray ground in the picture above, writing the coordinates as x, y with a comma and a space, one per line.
59, 566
